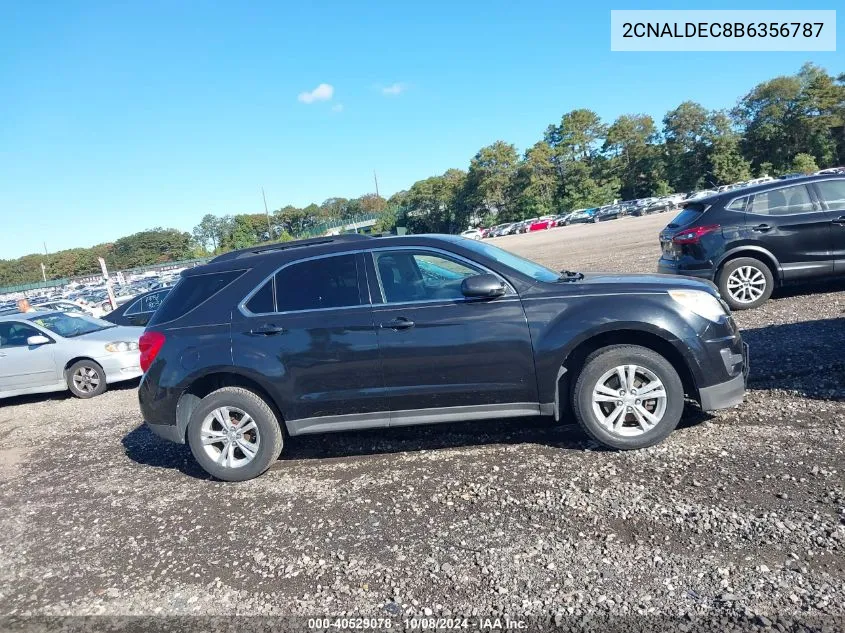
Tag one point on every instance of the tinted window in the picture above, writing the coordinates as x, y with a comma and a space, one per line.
408, 276
192, 291
689, 215
738, 204
14, 334
327, 282
135, 308
833, 192
784, 201
151, 302
262, 301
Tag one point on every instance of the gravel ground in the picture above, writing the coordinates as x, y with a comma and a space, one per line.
737, 520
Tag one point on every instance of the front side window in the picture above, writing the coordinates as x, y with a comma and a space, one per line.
420, 276
326, 282
783, 201
14, 334
833, 193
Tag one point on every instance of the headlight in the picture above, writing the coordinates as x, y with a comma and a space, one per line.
122, 346
702, 303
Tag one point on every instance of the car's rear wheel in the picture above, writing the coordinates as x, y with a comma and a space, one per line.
628, 397
745, 283
86, 379
234, 434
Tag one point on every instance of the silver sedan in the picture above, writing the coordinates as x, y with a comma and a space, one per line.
53, 351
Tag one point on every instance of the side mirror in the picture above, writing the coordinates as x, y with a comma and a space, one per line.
485, 286
38, 339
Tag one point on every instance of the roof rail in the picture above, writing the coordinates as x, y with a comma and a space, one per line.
281, 246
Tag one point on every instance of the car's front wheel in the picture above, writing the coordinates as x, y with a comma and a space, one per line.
745, 283
86, 379
234, 434
628, 397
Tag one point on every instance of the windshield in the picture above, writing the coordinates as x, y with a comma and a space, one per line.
525, 266
68, 325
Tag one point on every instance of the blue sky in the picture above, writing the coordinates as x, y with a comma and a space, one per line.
117, 117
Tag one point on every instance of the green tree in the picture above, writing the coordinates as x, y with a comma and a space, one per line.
804, 163
535, 184
489, 182
685, 131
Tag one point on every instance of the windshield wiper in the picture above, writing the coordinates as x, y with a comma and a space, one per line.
568, 275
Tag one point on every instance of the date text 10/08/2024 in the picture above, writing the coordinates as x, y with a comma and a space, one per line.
419, 624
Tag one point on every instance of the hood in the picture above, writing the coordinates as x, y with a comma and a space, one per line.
118, 333
627, 283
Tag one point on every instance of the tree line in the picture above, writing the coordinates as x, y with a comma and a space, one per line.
793, 123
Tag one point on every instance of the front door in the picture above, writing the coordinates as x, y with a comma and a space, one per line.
309, 330
794, 229
24, 366
446, 357
832, 195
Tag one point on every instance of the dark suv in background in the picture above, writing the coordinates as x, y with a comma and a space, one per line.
351, 332
753, 239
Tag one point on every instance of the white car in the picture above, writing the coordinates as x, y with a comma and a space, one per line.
66, 305
53, 351
473, 234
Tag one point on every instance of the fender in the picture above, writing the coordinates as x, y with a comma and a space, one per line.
757, 249
556, 336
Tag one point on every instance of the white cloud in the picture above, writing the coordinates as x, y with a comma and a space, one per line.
394, 89
337, 107
323, 92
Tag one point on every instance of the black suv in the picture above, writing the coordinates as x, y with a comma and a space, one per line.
752, 239
353, 332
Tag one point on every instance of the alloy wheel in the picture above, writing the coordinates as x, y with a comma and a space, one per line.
629, 400
746, 284
86, 379
230, 437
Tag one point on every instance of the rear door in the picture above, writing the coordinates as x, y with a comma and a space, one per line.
832, 195
445, 356
794, 228
23, 366
309, 329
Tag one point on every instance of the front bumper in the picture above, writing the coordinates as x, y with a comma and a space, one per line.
731, 392
121, 366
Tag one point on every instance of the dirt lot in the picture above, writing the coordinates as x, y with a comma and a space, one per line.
737, 519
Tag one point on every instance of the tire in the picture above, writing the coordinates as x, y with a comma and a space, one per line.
86, 379
215, 458
635, 430
758, 279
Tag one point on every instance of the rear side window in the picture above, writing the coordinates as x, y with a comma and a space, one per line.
327, 282
783, 201
738, 204
833, 192
264, 300
192, 291
150, 303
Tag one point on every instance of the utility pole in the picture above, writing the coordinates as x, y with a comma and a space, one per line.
45, 248
378, 197
267, 213
43, 272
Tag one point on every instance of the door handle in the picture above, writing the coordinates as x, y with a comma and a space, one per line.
399, 323
267, 330
2, 354
839, 220
762, 228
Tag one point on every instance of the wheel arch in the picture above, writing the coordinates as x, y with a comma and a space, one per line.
573, 362
755, 252
203, 385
